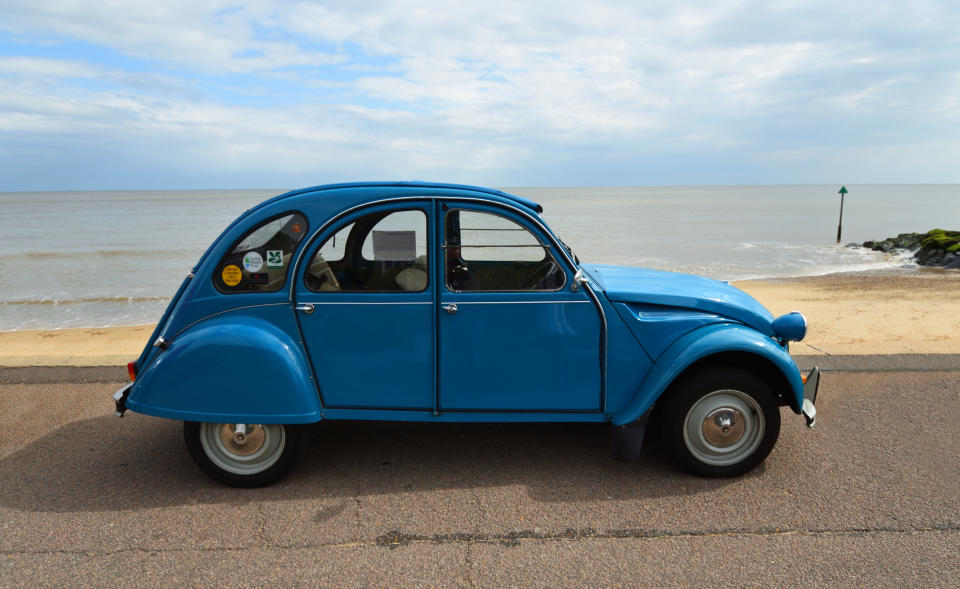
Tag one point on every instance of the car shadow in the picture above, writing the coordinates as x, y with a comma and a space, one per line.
141, 462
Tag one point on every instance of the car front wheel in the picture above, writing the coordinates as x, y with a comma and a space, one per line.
722, 422
243, 454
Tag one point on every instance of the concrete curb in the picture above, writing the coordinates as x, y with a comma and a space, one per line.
880, 362
61, 374
848, 363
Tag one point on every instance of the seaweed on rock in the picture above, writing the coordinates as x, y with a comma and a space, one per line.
937, 247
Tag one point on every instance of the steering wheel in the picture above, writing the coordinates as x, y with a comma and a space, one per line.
545, 281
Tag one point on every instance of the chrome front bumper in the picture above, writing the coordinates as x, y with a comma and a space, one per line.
810, 387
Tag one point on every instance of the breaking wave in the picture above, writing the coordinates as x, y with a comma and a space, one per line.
85, 300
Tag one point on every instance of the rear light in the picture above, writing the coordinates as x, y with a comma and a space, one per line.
132, 370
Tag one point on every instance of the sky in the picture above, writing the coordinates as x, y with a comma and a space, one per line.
130, 94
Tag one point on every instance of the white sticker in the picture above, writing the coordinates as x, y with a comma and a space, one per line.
252, 261
274, 258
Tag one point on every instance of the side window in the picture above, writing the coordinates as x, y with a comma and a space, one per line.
259, 261
490, 252
384, 251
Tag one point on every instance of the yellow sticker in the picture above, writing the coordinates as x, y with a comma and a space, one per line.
231, 275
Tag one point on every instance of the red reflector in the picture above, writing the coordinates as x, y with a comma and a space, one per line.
132, 370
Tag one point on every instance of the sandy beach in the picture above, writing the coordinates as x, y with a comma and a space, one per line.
100, 346
896, 312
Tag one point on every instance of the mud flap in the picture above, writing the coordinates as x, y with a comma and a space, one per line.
626, 441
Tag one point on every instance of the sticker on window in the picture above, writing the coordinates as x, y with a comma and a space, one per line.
274, 258
252, 261
231, 275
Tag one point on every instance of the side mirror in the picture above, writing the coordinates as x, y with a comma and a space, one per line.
578, 280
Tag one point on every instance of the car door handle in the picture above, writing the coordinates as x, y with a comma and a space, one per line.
451, 308
305, 307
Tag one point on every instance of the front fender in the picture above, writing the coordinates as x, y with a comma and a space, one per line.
229, 370
703, 342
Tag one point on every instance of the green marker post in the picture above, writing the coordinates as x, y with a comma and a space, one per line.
842, 192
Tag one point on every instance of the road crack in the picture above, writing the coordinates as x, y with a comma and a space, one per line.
946, 384
396, 539
468, 558
358, 518
261, 525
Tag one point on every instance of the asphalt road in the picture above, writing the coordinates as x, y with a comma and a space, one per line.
870, 497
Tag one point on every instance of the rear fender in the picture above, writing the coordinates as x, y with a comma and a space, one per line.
704, 342
228, 370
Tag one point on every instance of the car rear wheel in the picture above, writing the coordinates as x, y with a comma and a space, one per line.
722, 422
243, 454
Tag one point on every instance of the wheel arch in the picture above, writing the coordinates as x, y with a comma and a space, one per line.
229, 369
715, 345
755, 364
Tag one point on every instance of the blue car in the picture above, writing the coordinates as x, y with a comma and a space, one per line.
414, 301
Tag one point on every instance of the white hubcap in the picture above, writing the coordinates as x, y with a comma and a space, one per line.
243, 449
723, 427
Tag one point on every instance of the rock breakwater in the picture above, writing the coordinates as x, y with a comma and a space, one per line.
936, 247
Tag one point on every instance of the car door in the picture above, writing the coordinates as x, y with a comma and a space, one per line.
365, 303
513, 335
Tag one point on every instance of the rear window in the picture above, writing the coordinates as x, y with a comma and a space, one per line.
259, 261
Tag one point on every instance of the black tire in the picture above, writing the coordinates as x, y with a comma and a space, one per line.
720, 422
274, 452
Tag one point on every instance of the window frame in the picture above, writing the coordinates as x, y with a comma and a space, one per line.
217, 278
546, 245
353, 219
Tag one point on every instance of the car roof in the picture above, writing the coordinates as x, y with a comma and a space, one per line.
440, 186
376, 192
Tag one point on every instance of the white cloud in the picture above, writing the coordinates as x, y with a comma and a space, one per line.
490, 90
42, 67
213, 37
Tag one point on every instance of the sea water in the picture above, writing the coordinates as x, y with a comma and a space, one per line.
91, 259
